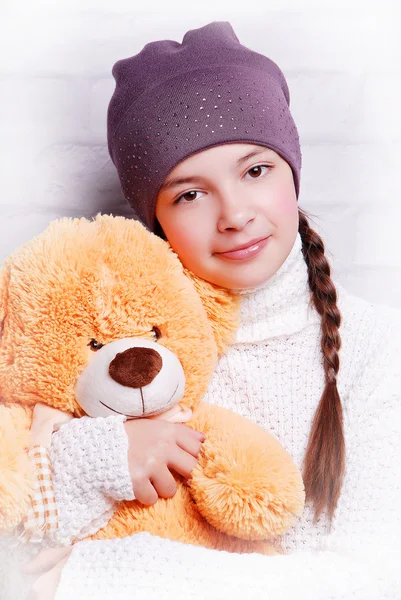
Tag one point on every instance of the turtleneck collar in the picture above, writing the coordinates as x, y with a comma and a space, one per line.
281, 305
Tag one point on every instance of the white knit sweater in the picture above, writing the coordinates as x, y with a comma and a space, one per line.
272, 375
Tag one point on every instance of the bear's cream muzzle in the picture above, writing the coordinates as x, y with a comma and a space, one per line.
133, 377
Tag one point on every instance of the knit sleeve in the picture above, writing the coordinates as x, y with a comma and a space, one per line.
361, 560
89, 461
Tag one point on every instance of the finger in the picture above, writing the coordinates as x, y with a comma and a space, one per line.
185, 431
144, 491
182, 417
182, 462
188, 441
45, 560
164, 482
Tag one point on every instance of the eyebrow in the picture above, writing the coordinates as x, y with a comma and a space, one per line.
181, 180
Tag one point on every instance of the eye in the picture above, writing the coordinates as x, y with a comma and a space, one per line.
94, 345
183, 200
157, 332
256, 169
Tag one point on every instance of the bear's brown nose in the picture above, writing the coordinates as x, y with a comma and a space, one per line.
135, 367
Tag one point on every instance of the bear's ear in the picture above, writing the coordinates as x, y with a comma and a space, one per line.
222, 309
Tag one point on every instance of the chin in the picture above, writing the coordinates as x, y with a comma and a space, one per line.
244, 283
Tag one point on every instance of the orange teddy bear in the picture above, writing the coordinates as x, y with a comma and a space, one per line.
99, 317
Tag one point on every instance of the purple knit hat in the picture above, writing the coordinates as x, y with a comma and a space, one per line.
172, 100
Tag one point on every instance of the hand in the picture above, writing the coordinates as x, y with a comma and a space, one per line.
50, 563
155, 446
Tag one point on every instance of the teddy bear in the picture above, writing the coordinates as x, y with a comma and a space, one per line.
99, 317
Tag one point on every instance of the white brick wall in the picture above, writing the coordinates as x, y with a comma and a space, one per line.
342, 60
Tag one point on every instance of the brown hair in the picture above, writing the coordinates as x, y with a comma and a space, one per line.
324, 461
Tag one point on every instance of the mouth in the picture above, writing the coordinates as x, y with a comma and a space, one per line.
136, 416
245, 251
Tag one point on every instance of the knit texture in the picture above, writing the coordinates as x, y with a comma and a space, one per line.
150, 568
90, 463
273, 375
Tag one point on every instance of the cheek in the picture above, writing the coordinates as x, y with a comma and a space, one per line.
180, 241
185, 239
285, 206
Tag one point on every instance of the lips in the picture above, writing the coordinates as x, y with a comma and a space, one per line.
244, 246
245, 251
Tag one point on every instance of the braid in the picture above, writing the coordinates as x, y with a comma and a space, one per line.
324, 461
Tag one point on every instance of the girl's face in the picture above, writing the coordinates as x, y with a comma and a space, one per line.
238, 225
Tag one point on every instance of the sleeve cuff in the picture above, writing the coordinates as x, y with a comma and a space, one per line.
89, 458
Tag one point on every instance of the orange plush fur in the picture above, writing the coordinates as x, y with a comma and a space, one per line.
107, 279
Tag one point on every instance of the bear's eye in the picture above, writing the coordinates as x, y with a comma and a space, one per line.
157, 332
94, 345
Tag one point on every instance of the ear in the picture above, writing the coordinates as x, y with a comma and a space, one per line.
222, 309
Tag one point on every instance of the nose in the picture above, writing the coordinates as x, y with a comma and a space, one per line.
235, 211
135, 367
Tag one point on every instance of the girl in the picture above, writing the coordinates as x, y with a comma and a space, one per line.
208, 156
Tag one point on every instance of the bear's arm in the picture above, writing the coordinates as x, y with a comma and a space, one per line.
16, 472
245, 483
